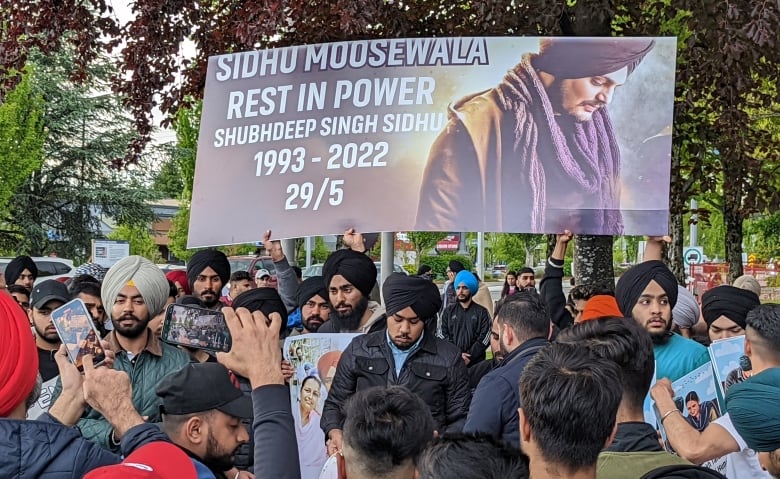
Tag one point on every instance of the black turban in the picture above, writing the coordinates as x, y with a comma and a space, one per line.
733, 303
17, 265
456, 266
209, 258
313, 286
634, 281
355, 267
567, 58
266, 300
401, 291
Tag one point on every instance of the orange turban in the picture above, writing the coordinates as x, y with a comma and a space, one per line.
601, 306
327, 361
18, 356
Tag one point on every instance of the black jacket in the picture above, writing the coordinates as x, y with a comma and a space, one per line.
497, 398
551, 291
468, 329
435, 372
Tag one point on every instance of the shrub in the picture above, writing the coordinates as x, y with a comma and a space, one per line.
439, 263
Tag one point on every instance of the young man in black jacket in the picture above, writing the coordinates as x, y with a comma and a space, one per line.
403, 354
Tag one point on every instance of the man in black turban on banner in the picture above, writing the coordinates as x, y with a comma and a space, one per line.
648, 292
403, 354
207, 272
542, 139
349, 277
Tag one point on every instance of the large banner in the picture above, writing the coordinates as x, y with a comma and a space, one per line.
447, 134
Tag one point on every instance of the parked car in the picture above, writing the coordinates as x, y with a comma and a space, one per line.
48, 267
167, 268
252, 264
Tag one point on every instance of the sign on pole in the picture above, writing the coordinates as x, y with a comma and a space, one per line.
693, 255
107, 252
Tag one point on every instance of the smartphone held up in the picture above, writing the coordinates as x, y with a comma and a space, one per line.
196, 327
78, 332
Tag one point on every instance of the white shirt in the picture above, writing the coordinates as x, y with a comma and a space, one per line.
742, 464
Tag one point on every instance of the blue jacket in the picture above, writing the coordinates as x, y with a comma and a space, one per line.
494, 406
45, 449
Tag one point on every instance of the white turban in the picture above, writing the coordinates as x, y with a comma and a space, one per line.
686, 312
144, 275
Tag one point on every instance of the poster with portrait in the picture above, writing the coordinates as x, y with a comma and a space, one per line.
314, 358
728, 361
437, 134
696, 397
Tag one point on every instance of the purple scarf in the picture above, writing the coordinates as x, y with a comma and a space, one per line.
586, 152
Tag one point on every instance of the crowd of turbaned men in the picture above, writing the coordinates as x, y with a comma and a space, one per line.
561, 393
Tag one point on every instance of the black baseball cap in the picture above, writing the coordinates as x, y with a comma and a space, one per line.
48, 290
201, 387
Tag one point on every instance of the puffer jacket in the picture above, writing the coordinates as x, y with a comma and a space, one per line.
152, 364
435, 372
45, 449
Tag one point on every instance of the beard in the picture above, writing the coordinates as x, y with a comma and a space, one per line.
351, 320
463, 299
662, 337
216, 458
312, 323
210, 303
51, 338
133, 331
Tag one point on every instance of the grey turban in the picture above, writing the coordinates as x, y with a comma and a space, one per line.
686, 312
144, 275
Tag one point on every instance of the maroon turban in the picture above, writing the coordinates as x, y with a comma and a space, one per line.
18, 356
581, 58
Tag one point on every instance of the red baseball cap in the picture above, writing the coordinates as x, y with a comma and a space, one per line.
156, 460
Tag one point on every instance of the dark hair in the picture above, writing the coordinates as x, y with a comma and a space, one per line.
313, 378
74, 282
385, 427
587, 291
570, 397
764, 321
241, 276
525, 313
625, 342
525, 270
691, 396
18, 289
505, 289
86, 287
472, 455
298, 271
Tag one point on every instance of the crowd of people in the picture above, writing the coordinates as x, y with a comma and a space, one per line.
560, 393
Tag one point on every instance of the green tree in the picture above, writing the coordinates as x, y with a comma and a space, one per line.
511, 247
423, 242
21, 137
140, 239
61, 206
168, 181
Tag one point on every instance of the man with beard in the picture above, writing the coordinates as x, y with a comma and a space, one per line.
350, 276
405, 355
465, 323
207, 272
46, 297
22, 271
648, 292
543, 139
524, 327
136, 290
202, 412
313, 301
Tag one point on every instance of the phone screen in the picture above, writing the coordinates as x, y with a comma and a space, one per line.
78, 333
196, 327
